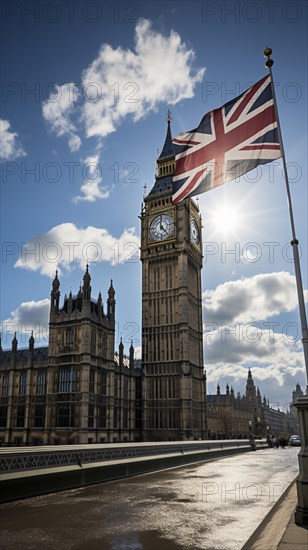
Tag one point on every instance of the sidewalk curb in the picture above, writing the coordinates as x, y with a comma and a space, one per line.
261, 538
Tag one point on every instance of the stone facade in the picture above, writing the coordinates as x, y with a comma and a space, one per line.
76, 390
172, 347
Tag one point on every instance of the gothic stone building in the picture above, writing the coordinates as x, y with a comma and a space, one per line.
75, 391
239, 416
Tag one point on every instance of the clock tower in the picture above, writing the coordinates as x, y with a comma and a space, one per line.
172, 345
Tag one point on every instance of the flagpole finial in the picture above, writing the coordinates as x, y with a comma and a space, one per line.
267, 53
168, 119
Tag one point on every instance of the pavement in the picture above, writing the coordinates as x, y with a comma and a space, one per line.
278, 530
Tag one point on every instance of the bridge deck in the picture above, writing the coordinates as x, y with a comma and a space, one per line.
34, 471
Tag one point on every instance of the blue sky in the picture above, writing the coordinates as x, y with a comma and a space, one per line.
104, 75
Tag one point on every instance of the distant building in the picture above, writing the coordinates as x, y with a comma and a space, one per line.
238, 416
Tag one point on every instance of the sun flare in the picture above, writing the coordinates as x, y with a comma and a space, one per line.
225, 219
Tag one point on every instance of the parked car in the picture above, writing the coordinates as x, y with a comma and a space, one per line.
295, 441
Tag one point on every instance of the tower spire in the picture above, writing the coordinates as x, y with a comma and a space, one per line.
131, 355
31, 342
121, 354
86, 284
14, 343
111, 303
167, 151
165, 164
55, 296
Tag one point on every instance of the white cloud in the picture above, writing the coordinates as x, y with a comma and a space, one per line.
10, 149
119, 83
251, 299
91, 187
65, 246
57, 111
239, 333
250, 343
27, 317
275, 381
122, 82
138, 352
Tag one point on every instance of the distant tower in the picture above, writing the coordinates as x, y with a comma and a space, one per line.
251, 393
172, 342
298, 392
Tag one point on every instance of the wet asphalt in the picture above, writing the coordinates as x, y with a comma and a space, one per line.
213, 506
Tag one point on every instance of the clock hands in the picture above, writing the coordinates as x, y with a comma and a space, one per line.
162, 227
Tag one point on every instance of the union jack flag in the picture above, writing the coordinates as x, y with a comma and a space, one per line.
228, 142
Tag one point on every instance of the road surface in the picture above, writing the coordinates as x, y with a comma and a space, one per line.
214, 506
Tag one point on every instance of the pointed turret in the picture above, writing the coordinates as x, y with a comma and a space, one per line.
250, 387
121, 353
55, 295
70, 303
56, 283
131, 356
86, 289
31, 343
86, 293
259, 395
218, 389
79, 299
227, 389
14, 343
100, 308
167, 151
111, 302
297, 393
165, 164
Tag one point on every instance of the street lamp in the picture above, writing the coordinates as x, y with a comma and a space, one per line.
249, 424
259, 426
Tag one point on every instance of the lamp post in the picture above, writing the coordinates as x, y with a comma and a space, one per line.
249, 424
259, 426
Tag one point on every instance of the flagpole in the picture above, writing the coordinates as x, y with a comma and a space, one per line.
301, 513
299, 283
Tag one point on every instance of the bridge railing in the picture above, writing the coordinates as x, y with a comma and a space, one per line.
28, 458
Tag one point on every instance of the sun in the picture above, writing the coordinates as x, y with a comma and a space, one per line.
225, 219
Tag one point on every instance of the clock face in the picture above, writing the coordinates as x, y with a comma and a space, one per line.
161, 227
194, 232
